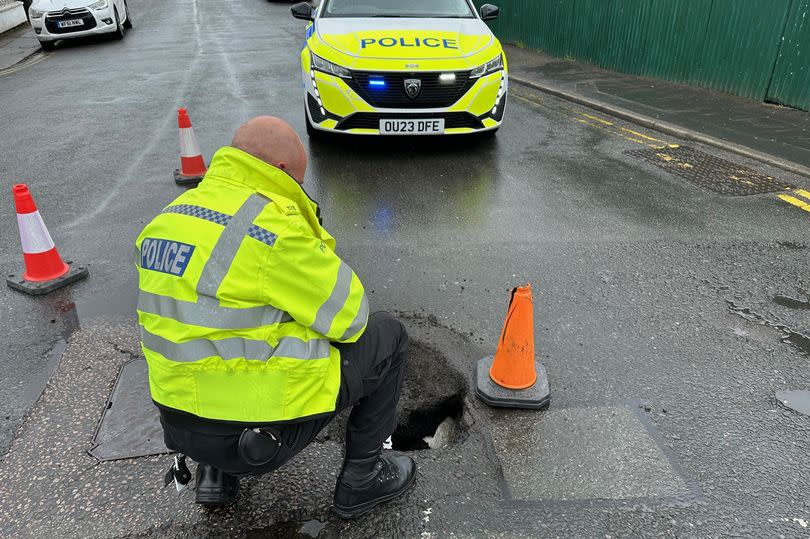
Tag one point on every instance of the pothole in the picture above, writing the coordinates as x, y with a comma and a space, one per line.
431, 407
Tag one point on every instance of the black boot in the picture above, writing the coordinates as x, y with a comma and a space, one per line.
215, 487
367, 482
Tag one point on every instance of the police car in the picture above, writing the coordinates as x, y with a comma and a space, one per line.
388, 67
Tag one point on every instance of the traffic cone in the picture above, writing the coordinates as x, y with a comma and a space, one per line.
192, 166
514, 378
44, 269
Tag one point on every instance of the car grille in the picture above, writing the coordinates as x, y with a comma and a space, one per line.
433, 94
371, 120
52, 18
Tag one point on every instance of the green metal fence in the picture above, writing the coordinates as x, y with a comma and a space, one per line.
754, 48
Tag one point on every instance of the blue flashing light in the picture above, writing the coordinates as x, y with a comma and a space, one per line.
377, 83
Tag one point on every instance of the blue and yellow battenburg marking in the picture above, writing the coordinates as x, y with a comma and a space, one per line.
165, 256
430, 42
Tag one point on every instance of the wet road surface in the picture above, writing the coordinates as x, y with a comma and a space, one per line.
657, 301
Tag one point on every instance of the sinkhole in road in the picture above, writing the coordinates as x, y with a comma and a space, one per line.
431, 411
431, 406
433, 426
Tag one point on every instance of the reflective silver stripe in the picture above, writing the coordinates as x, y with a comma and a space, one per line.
228, 244
337, 299
233, 348
359, 321
209, 313
297, 349
200, 349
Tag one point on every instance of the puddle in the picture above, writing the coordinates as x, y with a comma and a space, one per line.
798, 340
792, 245
795, 400
791, 303
291, 530
789, 336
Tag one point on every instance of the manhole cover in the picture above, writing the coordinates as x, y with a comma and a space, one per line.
130, 425
710, 172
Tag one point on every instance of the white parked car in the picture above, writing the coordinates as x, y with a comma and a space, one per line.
53, 20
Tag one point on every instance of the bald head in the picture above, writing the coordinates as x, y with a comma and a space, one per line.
275, 142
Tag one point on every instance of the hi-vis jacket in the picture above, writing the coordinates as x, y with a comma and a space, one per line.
241, 293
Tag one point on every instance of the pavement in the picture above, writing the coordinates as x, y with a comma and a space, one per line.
771, 130
670, 280
17, 45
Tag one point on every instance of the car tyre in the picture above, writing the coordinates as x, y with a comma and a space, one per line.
47, 45
119, 28
128, 21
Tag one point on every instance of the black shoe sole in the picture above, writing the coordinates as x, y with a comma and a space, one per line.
214, 499
355, 511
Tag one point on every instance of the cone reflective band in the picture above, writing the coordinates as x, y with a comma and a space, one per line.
513, 377
44, 268
192, 165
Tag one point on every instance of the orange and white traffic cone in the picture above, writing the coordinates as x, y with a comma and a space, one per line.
514, 378
45, 270
192, 165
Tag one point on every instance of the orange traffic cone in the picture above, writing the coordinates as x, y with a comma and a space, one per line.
513, 378
45, 270
192, 165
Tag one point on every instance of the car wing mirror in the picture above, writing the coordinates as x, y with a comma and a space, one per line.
303, 11
489, 12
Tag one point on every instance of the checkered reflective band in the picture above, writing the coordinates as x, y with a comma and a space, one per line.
200, 213
263, 235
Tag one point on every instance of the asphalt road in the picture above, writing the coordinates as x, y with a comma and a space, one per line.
648, 289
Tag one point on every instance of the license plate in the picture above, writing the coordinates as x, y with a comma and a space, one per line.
434, 126
70, 22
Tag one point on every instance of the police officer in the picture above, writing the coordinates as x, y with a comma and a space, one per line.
256, 333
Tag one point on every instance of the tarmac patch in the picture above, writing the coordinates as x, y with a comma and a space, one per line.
710, 172
595, 453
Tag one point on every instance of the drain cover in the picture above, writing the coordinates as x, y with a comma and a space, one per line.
710, 172
130, 426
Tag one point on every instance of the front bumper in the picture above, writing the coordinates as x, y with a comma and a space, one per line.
94, 22
333, 105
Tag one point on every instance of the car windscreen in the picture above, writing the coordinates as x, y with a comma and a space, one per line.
398, 8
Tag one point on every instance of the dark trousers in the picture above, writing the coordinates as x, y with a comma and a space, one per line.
372, 372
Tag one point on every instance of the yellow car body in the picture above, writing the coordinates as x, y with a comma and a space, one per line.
401, 76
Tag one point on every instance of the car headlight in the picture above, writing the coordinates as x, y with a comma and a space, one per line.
101, 4
35, 13
320, 64
496, 64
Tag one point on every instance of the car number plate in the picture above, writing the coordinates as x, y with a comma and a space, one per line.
70, 22
432, 126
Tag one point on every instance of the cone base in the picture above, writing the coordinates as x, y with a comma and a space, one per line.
181, 179
535, 397
17, 282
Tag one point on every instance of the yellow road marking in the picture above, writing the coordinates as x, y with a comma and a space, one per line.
641, 135
660, 146
597, 118
35, 58
796, 202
